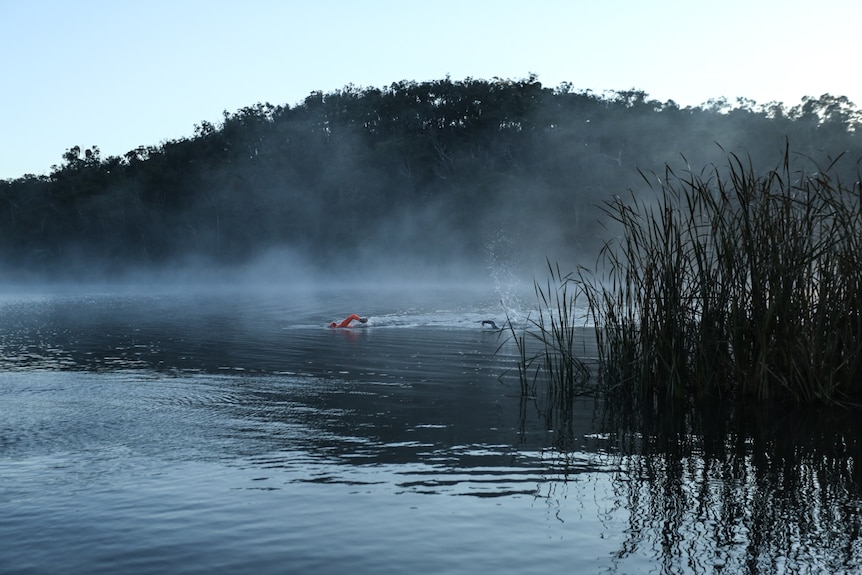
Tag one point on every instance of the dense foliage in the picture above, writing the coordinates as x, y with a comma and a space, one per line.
429, 170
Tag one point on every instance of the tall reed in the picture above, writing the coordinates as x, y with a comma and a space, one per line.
727, 284
553, 358
734, 284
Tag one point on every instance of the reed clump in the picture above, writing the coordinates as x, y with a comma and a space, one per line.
549, 349
734, 284
730, 284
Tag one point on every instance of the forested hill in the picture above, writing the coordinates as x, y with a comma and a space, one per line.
422, 172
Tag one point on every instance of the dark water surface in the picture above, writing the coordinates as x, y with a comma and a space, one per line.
231, 432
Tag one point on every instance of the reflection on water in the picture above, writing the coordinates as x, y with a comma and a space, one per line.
768, 490
189, 433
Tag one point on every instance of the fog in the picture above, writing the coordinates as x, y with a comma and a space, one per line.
440, 182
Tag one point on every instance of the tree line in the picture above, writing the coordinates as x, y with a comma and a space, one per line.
426, 169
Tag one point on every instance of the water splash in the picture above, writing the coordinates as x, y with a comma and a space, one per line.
506, 273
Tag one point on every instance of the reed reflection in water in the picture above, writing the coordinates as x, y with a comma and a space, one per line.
770, 489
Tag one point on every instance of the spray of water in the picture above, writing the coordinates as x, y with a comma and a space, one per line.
506, 274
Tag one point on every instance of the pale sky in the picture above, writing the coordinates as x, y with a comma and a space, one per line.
119, 74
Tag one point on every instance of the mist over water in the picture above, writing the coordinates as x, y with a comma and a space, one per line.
188, 431
173, 400
204, 418
230, 429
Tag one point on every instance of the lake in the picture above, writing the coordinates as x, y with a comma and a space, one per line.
225, 431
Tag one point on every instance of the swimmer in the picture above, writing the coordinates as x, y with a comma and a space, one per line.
490, 322
346, 321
